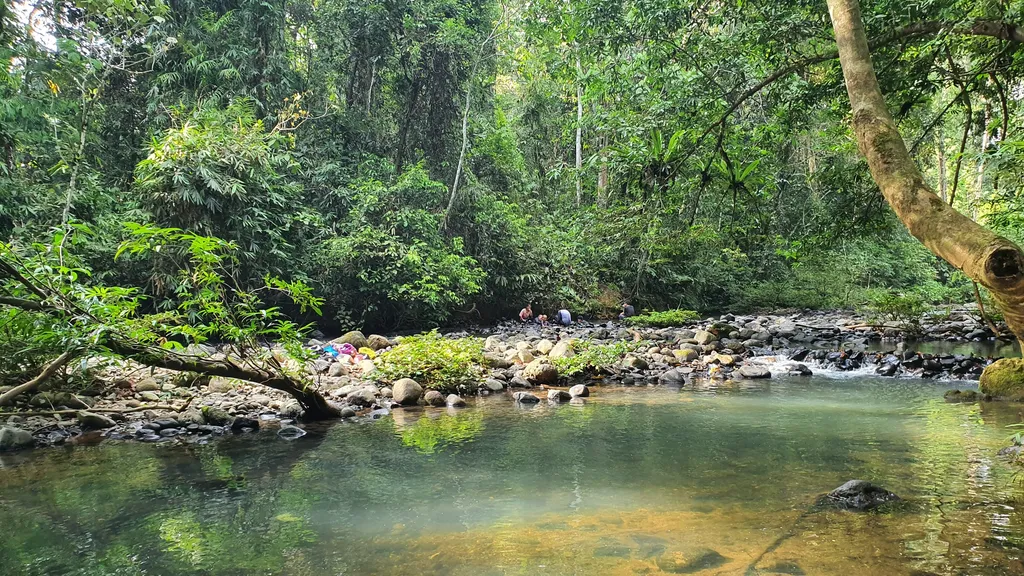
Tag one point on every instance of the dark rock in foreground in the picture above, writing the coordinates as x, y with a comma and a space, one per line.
690, 561
857, 495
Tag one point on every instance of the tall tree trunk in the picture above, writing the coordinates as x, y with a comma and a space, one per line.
940, 159
579, 132
975, 198
988, 258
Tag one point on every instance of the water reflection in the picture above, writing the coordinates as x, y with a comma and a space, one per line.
636, 481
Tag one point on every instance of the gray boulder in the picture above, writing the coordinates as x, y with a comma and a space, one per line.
12, 438
559, 396
363, 396
579, 391
857, 495
455, 401
434, 398
355, 338
377, 342
525, 398
494, 385
754, 371
406, 391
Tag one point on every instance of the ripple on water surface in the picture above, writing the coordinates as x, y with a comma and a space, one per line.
717, 480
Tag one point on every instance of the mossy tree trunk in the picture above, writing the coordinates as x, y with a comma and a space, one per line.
991, 260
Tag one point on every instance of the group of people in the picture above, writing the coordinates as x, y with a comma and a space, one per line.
563, 317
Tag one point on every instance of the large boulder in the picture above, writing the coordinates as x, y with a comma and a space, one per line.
12, 438
406, 391
377, 342
540, 372
579, 391
495, 360
1004, 379
857, 495
355, 338
525, 398
545, 346
704, 337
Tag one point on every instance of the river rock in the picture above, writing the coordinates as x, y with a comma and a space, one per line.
958, 396
355, 338
685, 355
754, 371
857, 495
545, 346
377, 342
241, 422
495, 360
192, 416
149, 396
1004, 379
363, 396
406, 391
635, 362
689, 560
147, 385
674, 377
563, 349
347, 412
434, 398
494, 385
579, 391
12, 438
704, 337
337, 369
221, 384
559, 396
94, 421
540, 372
519, 382
455, 401
215, 416
289, 432
493, 344
525, 398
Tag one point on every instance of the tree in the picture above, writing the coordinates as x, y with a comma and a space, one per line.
990, 259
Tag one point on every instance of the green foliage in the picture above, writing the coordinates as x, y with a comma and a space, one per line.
445, 364
591, 357
664, 319
905, 309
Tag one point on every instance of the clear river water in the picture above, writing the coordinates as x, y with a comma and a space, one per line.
719, 480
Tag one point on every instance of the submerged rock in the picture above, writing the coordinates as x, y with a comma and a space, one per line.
958, 396
291, 432
857, 495
688, 561
1004, 379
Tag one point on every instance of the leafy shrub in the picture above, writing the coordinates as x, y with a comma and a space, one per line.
664, 319
905, 309
444, 364
592, 357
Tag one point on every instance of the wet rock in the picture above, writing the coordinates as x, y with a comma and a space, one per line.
240, 423
887, 370
540, 372
12, 438
216, 416
559, 396
291, 410
494, 385
857, 495
579, 391
519, 382
169, 432
363, 396
612, 551
689, 560
801, 370
958, 396
347, 412
454, 401
291, 432
94, 421
525, 398
355, 338
1004, 379
192, 416
434, 398
406, 391
674, 377
754, 371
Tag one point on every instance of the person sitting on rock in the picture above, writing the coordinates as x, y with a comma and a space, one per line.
563, 317
627, 311
526, 313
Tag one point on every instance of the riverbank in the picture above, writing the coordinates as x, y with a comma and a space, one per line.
124, 401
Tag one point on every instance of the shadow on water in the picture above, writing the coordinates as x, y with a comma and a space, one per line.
636, 481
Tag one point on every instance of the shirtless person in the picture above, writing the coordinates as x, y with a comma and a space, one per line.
526, 313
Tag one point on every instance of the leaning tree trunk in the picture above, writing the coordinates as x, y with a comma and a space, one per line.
993, 261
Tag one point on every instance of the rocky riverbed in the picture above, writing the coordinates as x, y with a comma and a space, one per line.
129, 402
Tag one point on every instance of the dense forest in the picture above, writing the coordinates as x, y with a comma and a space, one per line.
431, 161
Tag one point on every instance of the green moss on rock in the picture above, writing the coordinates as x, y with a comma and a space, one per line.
1004, 378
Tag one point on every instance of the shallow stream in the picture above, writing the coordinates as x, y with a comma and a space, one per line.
719, 480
